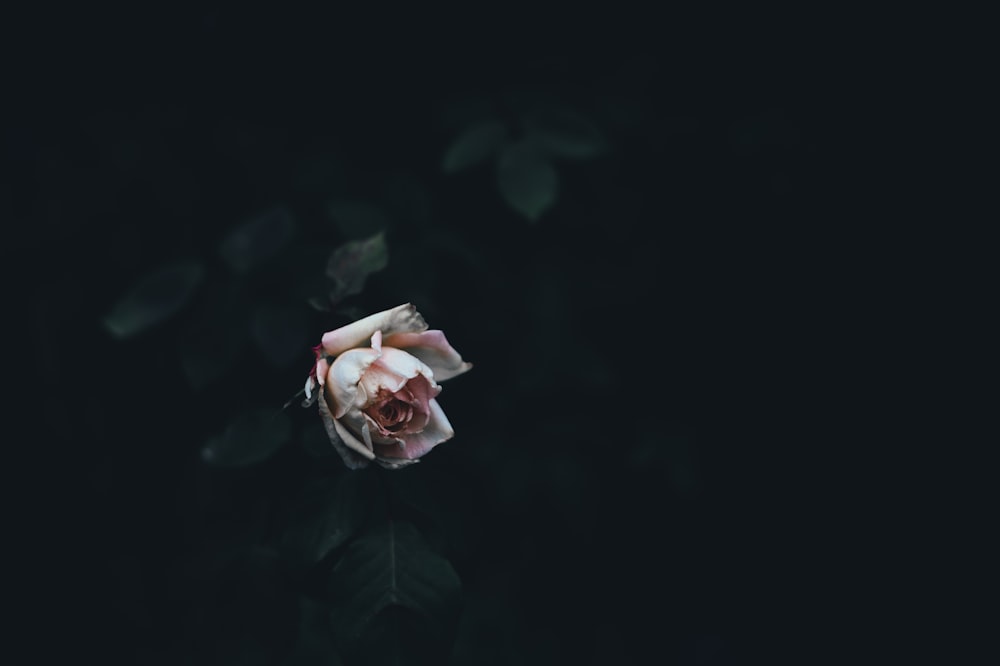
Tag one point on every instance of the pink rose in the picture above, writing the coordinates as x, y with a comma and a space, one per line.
377, 384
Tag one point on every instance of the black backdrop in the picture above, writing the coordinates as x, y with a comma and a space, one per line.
664, 378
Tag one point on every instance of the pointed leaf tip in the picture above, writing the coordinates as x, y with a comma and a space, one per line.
527, 180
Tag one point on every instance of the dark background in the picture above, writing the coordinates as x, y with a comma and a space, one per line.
658, 451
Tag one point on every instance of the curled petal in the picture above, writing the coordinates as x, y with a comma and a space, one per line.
322, 368
432, 348
344, 376
393, 369
310, 391
400, 319
377, 437
416, 445
352, 441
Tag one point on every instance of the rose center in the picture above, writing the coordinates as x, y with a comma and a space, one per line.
389, 412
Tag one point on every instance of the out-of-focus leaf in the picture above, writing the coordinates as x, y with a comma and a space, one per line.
352, 263
257, 240
398, 636
527, 180
562, 132
390, 566
154, 298
217, 334
252, 437
474, 145
305, 268
327, 513
281, 334
357, 219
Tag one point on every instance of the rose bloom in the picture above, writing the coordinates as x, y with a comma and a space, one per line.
376, 381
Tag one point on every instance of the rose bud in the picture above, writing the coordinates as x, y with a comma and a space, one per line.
376, 381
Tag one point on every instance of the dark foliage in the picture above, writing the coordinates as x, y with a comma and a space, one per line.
649, 245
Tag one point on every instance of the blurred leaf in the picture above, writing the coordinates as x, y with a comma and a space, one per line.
397, 636
526, 179
352, 263
356, 219
251, 438
473, 145
281, 334
258, 240
216, 335
305, 269
155, 298
327, 513
563, 132
392, 566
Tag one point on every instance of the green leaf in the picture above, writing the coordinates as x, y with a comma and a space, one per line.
474, 145
281, 334
250, 438
314, 644
527, 180
563, 132
400, 637
258, 240
154, 298
351, 264
393, 566
327, 513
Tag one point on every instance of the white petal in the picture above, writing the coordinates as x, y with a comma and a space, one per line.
351, 440
345, 375
322, 368
393, 369
401, 319
433, 348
